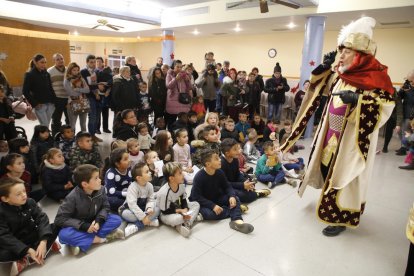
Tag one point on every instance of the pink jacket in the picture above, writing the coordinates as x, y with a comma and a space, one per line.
173, 106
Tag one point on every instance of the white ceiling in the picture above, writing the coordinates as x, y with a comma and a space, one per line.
262, 24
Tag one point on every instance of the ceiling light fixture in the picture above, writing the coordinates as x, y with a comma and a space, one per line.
291, 25
195, 32
75, 33
237, 29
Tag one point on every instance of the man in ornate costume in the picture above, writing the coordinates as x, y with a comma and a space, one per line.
359, 102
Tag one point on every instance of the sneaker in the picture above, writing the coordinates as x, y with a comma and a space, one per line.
154, 223
107, 131
18, 266
116, 234
75, 250
263, 193
244, 208
292, 182
332, 231
271, 185
130, 229
98, 131
199, 217
245, 228
183, 230
401, 152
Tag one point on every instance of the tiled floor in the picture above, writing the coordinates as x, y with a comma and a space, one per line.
287, 239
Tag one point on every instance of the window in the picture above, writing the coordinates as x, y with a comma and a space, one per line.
116, 61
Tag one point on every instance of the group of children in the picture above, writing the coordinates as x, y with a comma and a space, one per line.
140, 186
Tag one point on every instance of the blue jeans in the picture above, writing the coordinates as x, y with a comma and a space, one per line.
296, 166
93, 115
276, 109
44, 113
223, 202
277, 178
84, 240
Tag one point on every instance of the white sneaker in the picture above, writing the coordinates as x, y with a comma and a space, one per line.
270, 184
199, 217
154, 223
183, 230
75, 250
130, 229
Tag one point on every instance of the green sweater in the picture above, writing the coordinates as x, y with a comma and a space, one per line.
261, 167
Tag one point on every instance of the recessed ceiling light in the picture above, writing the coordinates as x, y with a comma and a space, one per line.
138, 36
75, 33
291, 25
195, 32
237, 29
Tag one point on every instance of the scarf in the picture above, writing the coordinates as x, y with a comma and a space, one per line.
54, 167
367, 73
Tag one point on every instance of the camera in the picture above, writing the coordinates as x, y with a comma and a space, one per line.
407, 85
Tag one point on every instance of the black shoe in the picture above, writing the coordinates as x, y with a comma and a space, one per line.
384, 150
401, 152
409, 167
332, 231
98, 131
107, 131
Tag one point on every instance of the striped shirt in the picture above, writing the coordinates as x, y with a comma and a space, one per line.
57, 82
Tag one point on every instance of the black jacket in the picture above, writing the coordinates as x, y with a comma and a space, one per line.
124, 132
124, 94
276, 96
158, 93
227, 134
37, 87
79, 209
22, 227
134, 71
54, 180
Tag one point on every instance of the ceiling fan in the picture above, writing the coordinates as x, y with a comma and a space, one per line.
264, 6
104, 23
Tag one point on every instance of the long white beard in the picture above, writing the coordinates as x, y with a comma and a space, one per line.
343, 68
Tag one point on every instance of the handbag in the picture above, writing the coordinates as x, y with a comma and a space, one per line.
80, 105
21, 108
184, 98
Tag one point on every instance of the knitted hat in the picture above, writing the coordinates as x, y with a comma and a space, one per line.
277, 68
358, 36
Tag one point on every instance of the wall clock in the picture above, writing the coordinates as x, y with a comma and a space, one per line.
272, 53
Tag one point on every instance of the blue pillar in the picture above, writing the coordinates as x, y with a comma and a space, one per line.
168, 46
311, 54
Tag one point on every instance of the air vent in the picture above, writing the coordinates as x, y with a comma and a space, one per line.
219, 33
395, 23
280, 30
196, 11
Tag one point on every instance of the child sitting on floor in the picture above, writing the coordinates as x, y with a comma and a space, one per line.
84, 214
215, 195
84, 152
139, 208
26, 235
210, 141
182, 155
198, 107
157, 178
172, 201
229, 131
56, 176
144, 138
41, 142
135, 154
269, 169
243, 187
65, 141
117, 178
249, 149
242, 126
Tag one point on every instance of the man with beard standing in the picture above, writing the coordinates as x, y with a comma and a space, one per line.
359, 102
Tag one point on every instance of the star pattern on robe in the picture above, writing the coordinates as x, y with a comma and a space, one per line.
172, 55
311, 63
294, 89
